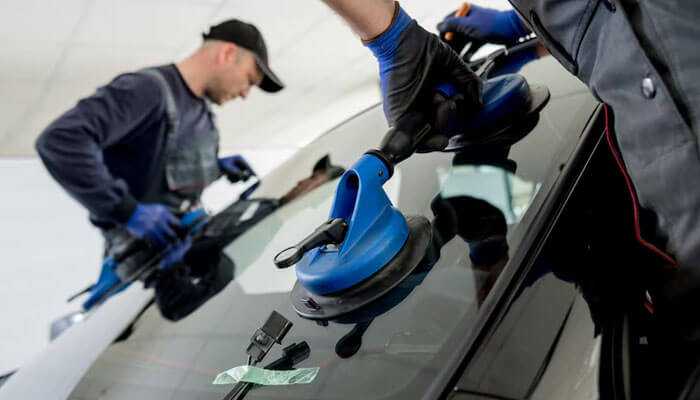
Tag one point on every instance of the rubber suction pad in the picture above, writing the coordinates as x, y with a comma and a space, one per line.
328, 306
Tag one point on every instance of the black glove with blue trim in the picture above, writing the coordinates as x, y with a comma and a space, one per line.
412, 62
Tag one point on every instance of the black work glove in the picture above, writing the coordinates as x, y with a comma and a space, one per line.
420, 132
406, 135
412, 62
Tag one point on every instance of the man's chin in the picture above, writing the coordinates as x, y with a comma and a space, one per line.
220, 101
212, 99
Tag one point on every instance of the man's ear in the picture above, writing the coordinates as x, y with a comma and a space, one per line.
228, 53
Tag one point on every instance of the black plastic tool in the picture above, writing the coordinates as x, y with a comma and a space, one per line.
273, 331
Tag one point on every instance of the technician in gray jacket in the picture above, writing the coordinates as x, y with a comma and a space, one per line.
144, 147
641, 58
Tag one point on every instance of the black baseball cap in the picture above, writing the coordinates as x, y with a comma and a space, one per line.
247, 36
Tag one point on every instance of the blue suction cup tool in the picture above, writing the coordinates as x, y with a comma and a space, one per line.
510, 110
365, 249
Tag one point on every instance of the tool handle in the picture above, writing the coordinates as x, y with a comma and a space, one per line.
402, 140
331, 232
461, 12
132, 246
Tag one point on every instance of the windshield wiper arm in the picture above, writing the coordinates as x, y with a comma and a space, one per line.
291, 356
273, 331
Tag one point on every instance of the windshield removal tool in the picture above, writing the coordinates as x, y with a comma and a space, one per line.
510, 110
366, 248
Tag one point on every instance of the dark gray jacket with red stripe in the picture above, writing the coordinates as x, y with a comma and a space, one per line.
641, 58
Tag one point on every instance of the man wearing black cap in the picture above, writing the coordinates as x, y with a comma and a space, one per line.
144, 147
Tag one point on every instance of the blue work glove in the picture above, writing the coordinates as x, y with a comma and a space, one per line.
236, 168
412, 62
486, 25
193, 221
154, 223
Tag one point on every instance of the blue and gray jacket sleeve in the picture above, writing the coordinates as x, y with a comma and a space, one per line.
71, 146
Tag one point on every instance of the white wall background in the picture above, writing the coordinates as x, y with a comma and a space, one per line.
54, 52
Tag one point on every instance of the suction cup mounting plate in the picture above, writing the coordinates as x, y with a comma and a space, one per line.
313, 306
513, 132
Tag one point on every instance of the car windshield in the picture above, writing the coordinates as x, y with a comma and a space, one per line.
480, 203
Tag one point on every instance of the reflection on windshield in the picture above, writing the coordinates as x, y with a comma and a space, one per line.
180, 291
481, 197
490, 176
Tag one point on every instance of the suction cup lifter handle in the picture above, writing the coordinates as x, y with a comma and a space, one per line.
331, 232
402, 140
420, 130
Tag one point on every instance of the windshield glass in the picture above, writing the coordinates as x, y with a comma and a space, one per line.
480, 204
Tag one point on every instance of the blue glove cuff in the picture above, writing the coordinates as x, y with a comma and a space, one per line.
447, 89
384, 47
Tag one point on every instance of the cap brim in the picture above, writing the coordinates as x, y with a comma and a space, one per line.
270, 82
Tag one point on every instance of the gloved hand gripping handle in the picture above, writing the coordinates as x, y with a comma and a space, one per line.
415, 131
402, 140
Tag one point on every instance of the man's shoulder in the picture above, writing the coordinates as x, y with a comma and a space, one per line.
139, 80
137, 87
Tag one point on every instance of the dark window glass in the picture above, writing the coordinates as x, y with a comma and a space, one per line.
482, 203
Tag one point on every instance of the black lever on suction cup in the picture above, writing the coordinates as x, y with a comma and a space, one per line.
331, 232
402, 140
350, 344
474, 46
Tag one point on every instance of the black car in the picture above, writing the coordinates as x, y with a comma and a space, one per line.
536, 285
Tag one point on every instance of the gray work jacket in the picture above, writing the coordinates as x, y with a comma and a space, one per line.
642, 59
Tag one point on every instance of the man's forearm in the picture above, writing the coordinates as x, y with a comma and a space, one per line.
74, 161
368, 18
